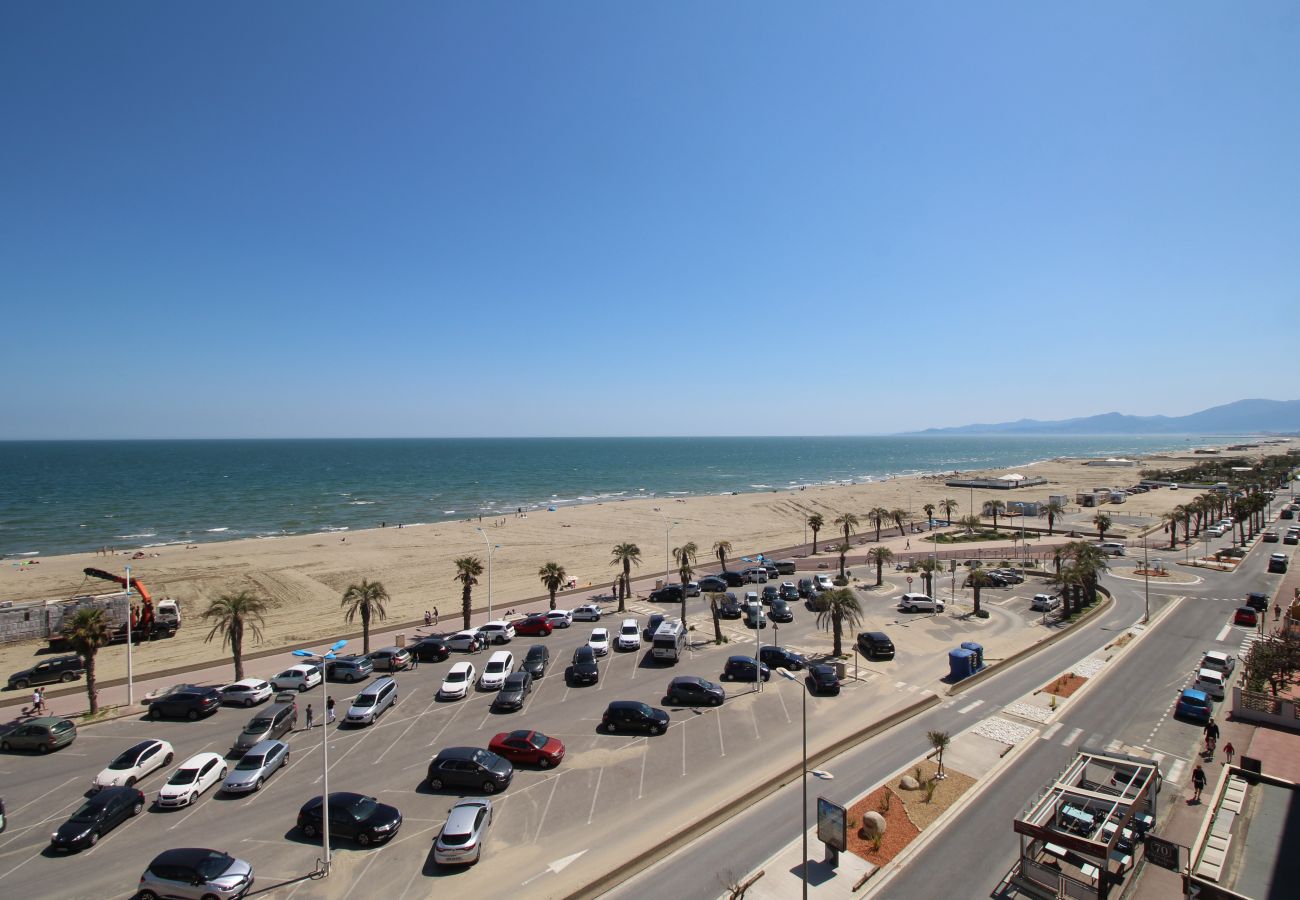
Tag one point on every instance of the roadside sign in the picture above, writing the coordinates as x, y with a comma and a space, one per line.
832, 824
909, 579
1162, 853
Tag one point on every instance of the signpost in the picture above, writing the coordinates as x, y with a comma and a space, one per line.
832, 829
1162, 853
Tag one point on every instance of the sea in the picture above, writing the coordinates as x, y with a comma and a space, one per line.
69, 496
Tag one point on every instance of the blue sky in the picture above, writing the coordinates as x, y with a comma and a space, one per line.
319, 219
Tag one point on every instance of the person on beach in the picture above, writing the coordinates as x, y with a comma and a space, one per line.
435, 615
310, 716
1228, 751
428, 618
329, 710
1198, 783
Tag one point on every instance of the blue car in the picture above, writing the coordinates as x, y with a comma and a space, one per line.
1194, 705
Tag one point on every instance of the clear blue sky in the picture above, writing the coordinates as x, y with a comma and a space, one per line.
318, 219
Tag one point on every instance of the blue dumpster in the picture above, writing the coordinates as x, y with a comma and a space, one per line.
978, 650
961, 663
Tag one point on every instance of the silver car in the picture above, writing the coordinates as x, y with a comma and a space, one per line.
460, 842
256, 766
193, 873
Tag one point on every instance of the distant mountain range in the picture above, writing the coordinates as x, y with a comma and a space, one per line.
1241, 417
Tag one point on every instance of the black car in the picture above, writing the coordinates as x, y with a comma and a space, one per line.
669, 593
651, 626
816, 601
687, 690
744, 668
633, 715
770, 592
805, 587
514, 690
584, 669
781, 658
430, 649
62, 668
470, 767
1257, 601
995, 579
730, 608
875, 645
733, 579
188, 703
713, 584
789, 591
536, 660
96, 817
822, 679
362, 818
780, 611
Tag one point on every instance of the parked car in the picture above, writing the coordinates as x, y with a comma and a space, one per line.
1257, 601
730, 608
390, 659
460, 842
785, 566
97, 817
535, 625
349, 669
788, 591
875, 645
669, 593
248, 692
356, 816
599, 641
42, 734
1193, 704
822, 582
780, 612
499, 665
1212, 682
1044, 602
919, 603
259, 763
689, 690
629, 635
536, 660
733, 579
528, 748
195, 775
633, 715
1245, 616
816, 601
1269, 537
822, 679
456, 683
189, 702
61, 668
430, 649
560, 618
587, 613
770, 592
466, 642
133, 764
781, 658
744, 668
755, 575
805, 587
195, 873
498, 632
297, 678
1277, 562
272, 723
584, 669
713, 584
514, 691
693, 589
373, 702
1291, 537
1219, 662
755, 617
652, 625
469, 767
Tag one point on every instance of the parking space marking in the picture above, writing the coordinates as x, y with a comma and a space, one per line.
753, 716
600, 773
450, 719
555, 783
14, 812
788, 720
640, 791
683, 751
721, 745
362, 874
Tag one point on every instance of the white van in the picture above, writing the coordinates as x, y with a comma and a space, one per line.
1212, 682
669, 642
1112, 548
499, 665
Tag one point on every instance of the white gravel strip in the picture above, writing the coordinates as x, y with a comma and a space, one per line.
1004, 730
1030, 712
1088, 667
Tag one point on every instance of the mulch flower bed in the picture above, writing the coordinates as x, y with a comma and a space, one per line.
899, 830
1066, 685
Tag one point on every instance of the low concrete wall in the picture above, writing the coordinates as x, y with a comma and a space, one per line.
1256, 707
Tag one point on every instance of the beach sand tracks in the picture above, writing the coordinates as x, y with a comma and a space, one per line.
292, 589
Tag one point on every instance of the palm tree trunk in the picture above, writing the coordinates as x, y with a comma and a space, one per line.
880, 571
1051, 524
627, 582
365, 628
717, 621
237, 648
977, 600
815, 530
837, 629
552, 598
465, 604
92, 693
621, 586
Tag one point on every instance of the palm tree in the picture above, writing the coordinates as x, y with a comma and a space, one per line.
684, 557
553, 577
626, 555
928, 509
230, 614
815, 522
1052, 511
717, 617
1171, 519
839, 608
929, 566
366, 599
939, 740
848, 524
978, 579
993, 508
1102, 521
843, 551
899, 516
880, 556
879, 515
720, 550
86, 630
1078, 578
949, 507
970, 523
468, 569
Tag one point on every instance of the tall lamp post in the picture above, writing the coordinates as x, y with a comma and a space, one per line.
320, 658
1146, 579
491, 547
130, 681
668, 526
803, 692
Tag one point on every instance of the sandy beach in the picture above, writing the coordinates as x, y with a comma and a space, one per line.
305, 576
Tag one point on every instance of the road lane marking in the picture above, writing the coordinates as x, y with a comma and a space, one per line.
644, 756
969, 706
1223, 634
1072, 737
1050, 732
600, 773
721, 745
683, 752
555, 783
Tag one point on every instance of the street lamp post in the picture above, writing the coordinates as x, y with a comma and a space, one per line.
490, 548
803, 695
668, 526
1146, 579
130, 681
325, 746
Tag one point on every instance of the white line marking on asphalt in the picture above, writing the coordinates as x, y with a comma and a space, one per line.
14, 812
1050, 732
600, 773
969, 706
754, 718
1114, 745
362, 874
450, 719
1219, 638
428, 706
788, 720
1072, 737
1176, 770
555, 783
899, 685
644, 756
683, 752
721, 745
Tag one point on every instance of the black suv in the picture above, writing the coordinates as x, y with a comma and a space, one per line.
823, 680
1257, 601
780, 611
189, 702
470, 767
633, 715
687, 690
781, 658
744, 668
536, 660
362, 818
730, 608
806, 587
669, 593
875, 645
656, 619
62, 668
770, 592
430, 649
713, 584
584, 669
733, 579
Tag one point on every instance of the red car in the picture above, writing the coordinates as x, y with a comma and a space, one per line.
528, 747
534, 626
1245, 616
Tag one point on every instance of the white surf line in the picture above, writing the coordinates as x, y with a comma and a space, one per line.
600, 773
969, 706
555, 783
1050, 732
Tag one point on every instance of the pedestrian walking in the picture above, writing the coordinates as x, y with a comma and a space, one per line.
415, 660
1228, 751
329, 710
909, 544
38, 702
1198, 783
435, 615
310, 716
1277, 612
428, 618
1211, 735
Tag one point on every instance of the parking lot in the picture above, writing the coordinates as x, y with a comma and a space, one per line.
613, 795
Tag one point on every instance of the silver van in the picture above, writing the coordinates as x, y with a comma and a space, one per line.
1112, 548
270, 724
371, 703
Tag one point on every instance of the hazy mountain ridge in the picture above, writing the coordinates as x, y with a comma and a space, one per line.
1239, 417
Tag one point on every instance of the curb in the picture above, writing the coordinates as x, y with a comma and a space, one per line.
727, 810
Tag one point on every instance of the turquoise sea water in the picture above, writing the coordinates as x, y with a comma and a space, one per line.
66, 496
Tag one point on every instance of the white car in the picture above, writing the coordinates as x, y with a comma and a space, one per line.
497, 632
560, 618
629, 635
297, 678
823, 582
195, 775
499, 665
1219, 662
249, 692
456, 685
133, 764
588, 613
599, 642
1044, 603
468, 641
919, 603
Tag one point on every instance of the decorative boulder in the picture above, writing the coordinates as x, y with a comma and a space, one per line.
873, 824
909, 783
